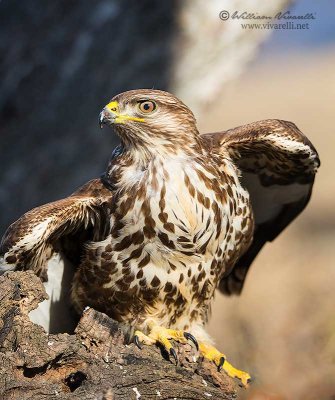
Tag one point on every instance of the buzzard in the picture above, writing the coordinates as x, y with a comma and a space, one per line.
176, 215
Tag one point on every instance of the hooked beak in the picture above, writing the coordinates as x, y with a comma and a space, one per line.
103, 119
110, 115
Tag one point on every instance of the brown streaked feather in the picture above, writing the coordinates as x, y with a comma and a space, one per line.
266, 232
63, 225
273, 156
259, 148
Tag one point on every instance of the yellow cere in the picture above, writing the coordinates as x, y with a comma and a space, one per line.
113, 106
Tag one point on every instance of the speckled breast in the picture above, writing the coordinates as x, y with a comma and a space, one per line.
174, 230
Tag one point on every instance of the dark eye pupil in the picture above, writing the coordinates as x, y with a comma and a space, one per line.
146, 106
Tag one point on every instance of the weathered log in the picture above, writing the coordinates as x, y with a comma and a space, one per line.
92, 363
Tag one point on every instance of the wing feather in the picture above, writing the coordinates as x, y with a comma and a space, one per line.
30, 241
278, 165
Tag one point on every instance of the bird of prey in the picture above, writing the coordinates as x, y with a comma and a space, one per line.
176, 215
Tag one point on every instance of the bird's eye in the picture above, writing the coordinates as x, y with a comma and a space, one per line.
147, 106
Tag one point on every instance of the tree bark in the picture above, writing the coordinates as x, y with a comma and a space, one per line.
92, 363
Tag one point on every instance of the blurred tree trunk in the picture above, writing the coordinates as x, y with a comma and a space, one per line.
61, 61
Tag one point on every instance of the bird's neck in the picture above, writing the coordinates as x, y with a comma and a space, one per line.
128, 162
143, 151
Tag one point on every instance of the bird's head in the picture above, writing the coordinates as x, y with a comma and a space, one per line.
150, 118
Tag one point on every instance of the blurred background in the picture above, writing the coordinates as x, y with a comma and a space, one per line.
61, 62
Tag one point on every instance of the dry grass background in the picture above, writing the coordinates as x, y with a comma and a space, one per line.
282, 328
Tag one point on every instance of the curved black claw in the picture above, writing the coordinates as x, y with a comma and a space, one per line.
190, 337
174, 354
249, 381
222, 361
137, 342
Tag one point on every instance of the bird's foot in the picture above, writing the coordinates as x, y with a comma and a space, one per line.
160, 335
211, 353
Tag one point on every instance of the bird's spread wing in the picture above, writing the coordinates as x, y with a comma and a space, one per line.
278, 164
63, 225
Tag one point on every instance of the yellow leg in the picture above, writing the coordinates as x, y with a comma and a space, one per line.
161, 335
212, 354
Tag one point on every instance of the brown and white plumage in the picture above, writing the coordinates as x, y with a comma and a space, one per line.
176, 215
278, 165
30, 241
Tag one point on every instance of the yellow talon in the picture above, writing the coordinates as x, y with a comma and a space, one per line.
212, 354
161, 335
